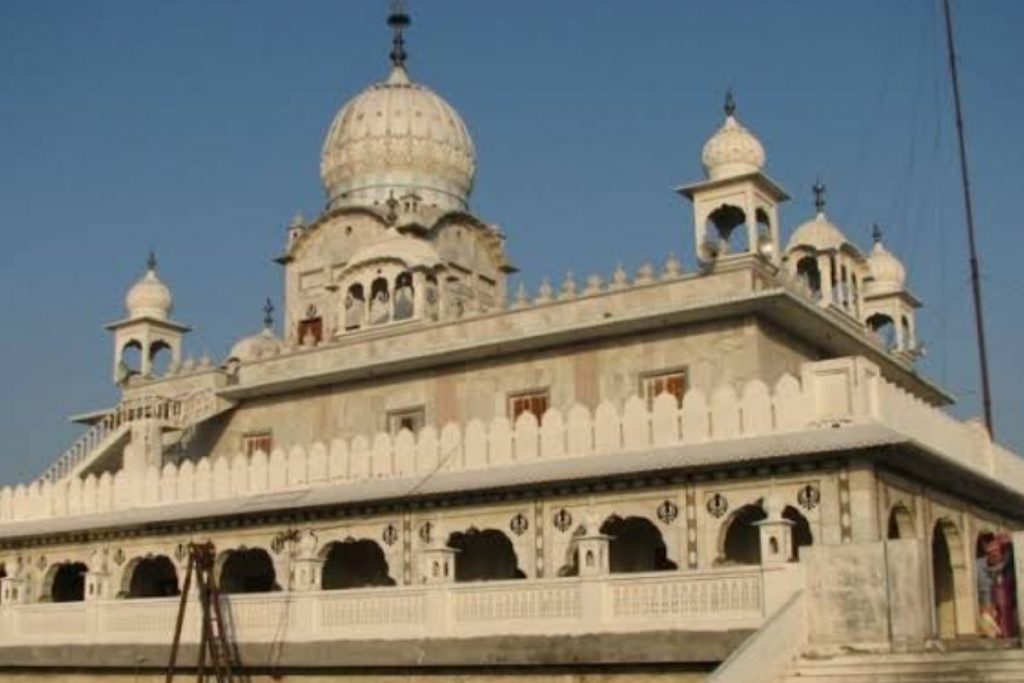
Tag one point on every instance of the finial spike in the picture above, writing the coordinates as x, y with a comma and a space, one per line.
730, 103
876, 233
819, 195
398, 20
151, 260
268, 314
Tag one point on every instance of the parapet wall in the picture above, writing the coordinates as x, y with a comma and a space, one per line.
828, 395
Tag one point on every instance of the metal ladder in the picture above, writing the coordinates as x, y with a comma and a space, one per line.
213, 640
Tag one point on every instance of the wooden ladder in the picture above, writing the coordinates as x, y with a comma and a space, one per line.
213, 640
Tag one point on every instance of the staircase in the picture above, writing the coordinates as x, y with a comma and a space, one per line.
989, 662
113, 429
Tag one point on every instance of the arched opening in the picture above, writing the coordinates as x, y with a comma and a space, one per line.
403, 296
354, 564
801, 530
636, 545
908, 337
901, 523
807, 270
355, 307
953, 603
997, 588
844, 287
380, 302
247, 570
486, 555
153, 577
3, 575
131, 358
68, 583
742, 542
855, 295
159, 358
727, 228
883, 326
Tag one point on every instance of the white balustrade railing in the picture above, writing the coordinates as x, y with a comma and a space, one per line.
175, 412
708, 600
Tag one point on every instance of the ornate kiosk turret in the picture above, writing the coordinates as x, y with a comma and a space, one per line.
148, 327
735, 210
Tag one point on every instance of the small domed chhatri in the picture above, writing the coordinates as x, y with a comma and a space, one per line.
732, 150
888, 275
149, 297
818, 233
395, 138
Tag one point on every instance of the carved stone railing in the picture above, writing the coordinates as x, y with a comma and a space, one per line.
830, 394
715, 600
175, 412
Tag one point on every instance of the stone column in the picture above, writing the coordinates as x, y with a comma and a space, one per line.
776, 533
592, 550
307, 565
1018, 563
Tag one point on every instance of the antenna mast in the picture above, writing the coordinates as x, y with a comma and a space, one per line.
979, 316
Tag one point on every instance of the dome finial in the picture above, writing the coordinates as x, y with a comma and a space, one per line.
730, 102
819, 195
268, 314
151, 260
398, 20
876, 233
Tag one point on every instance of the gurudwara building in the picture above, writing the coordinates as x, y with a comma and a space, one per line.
727, 471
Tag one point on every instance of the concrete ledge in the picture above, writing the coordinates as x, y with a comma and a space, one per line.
652, 647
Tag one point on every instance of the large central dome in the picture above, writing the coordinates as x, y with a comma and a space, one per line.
395, 138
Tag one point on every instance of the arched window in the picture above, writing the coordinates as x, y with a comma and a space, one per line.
153, 577
131, 357
901, 523
159, 358
636, 545
742, 543
883, 326
485, 555
68, 582
403, 296
355, 307
908, 337
380, 302
355, 564
432, 297
807, 270
844, 287
727, 227
247, 571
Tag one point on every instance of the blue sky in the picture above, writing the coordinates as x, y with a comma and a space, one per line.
194, 127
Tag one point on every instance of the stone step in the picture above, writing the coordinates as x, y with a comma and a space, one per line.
977, 666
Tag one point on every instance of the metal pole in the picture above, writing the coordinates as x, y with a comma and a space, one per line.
979, 319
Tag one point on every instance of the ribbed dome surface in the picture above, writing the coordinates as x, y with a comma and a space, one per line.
398, 137
732, 151
887, 272
149, 298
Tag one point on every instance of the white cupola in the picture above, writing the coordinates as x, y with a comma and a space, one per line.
735, 209
889, 306
398, 138
148, 329
149, 297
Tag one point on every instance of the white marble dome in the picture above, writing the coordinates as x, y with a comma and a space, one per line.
149, 297
818, 233
261, 345
887, 272
398, 137
732, 151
